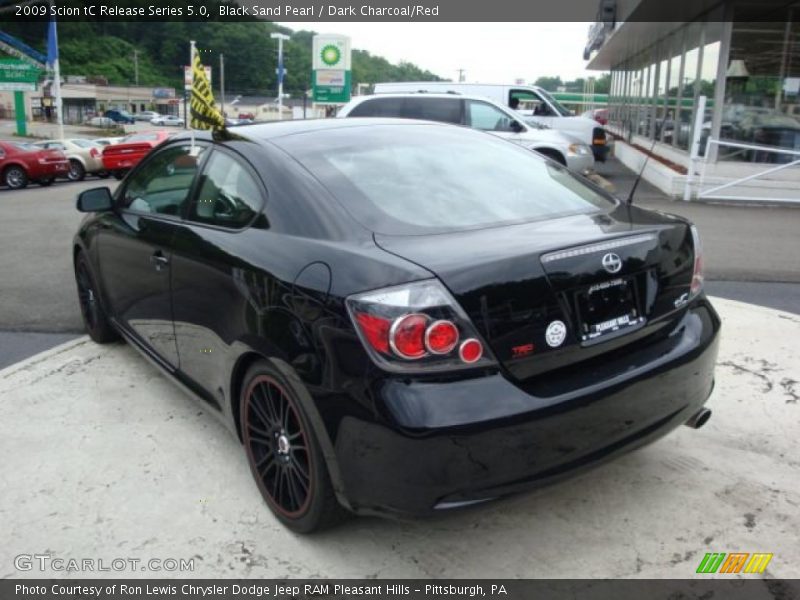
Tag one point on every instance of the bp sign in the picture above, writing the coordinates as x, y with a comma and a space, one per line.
331, 80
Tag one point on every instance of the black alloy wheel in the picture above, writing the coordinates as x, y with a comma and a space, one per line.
284, 455
94, 317
77, 172
15, 177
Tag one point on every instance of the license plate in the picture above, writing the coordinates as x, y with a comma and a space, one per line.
608, 307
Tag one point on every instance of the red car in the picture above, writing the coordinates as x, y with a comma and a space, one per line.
21, 163
120, 158
598, 114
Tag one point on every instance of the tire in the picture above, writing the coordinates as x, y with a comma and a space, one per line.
94, 317
103, 174
77, 172
46, 182
283, 453
119, 174
15, 177
553, 155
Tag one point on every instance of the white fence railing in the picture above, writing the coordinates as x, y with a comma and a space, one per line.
712, 145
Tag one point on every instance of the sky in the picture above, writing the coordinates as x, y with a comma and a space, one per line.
488, 52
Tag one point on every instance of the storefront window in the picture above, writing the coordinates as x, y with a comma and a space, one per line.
659, 86
762, 91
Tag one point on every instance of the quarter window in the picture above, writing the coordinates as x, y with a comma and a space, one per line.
229, 195
444, 110
162, 185
379, 107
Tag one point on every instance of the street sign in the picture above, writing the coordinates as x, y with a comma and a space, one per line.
17, 87
331, 76
14, 70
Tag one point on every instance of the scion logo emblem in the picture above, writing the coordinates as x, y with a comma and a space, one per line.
612, 262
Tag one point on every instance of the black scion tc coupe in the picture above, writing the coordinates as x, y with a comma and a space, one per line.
399, 317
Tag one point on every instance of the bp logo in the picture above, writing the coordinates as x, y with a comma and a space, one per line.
330, 55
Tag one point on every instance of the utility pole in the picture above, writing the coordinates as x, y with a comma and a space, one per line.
460, 75
280, 37
222, 83
136, 66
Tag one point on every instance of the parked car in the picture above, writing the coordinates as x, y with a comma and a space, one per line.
85, 156
21, 163
598, 114
100, 122
417, 316
120, 116
167, 120
119, 158
529, 100
236, 122
247, 116
146, 115
479, 113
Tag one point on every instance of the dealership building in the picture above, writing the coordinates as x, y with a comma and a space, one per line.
716, 96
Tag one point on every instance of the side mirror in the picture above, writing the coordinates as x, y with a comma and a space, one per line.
97, 199
516, 127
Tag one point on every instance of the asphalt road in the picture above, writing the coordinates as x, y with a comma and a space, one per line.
751, 255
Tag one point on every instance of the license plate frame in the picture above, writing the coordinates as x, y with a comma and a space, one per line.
608, 308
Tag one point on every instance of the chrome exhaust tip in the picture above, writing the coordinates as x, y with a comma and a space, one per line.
698, 419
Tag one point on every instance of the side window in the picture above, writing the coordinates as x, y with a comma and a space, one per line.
443, 110
486, 117
379, 107
529, 101
162, 185
229, 195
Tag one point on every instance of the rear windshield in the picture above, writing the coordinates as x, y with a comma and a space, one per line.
417, 179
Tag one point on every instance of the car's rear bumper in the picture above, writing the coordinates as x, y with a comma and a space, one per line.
441, 445
126, 161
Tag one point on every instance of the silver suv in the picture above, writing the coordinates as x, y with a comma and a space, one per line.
476, 112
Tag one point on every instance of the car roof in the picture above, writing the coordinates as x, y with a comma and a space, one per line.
423, 94
277, 129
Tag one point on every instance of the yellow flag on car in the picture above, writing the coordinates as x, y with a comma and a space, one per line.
204, 114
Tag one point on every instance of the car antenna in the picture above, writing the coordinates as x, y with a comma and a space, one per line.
629, 201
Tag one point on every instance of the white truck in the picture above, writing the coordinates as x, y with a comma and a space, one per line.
528, 100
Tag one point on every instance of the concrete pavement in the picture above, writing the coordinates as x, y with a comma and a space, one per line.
105, 458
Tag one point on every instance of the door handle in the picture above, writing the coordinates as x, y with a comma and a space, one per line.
159, 261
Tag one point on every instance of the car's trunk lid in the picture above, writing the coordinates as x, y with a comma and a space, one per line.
539, 294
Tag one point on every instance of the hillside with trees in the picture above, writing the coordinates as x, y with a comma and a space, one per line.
97, 49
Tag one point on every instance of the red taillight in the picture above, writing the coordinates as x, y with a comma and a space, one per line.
441, 337
407, 336
376, 330
416, 327
471, 350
